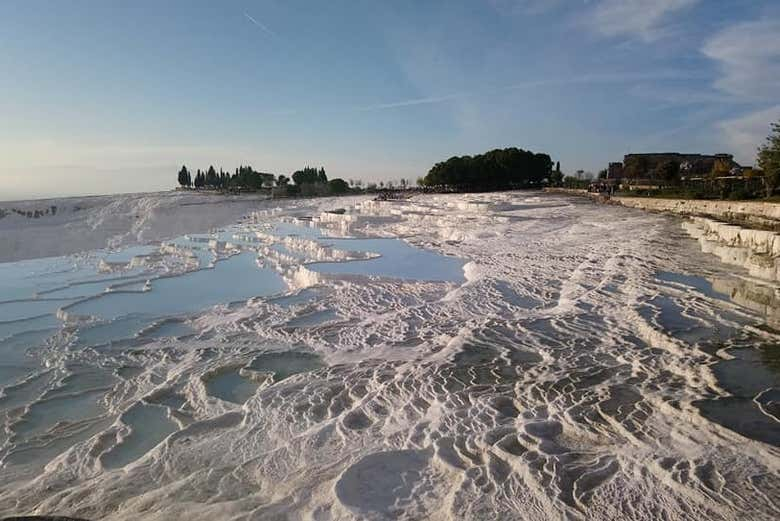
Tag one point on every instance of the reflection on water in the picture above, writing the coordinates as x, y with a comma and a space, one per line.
231, 386
103, 305
170, 328
751, 374
314, 318
285, 364
398, 259
236, 278
753, 380
15, 361
694, 281
237, 385
25, 309
760, 298
112, 331
149, 425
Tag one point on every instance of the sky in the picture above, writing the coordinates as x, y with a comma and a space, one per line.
105, 97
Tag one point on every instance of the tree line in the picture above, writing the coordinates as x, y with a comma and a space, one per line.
499, 169
307, 181
244, 177
769, 159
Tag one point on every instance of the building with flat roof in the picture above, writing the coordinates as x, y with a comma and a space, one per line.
643, 166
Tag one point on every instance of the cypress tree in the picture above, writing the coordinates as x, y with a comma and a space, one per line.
183, 176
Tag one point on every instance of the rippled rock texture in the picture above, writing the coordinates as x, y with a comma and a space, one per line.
582, 362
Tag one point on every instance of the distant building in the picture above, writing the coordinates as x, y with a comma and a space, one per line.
644, 166
615, 170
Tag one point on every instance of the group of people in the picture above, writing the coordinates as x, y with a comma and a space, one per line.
600, 187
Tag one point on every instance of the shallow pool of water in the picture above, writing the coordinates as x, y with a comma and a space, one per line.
398, 259
284, 364
233, 279
149, 426
701, 284
231, 386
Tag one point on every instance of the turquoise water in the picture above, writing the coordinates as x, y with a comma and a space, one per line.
236, 278
149, 425
398, 259
122, 312
231, 387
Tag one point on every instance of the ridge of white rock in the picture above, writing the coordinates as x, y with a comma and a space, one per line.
758, 251
751, 213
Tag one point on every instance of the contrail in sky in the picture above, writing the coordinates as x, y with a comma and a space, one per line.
261, 26
411, 102
624, 77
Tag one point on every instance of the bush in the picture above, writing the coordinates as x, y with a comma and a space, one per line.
499, 169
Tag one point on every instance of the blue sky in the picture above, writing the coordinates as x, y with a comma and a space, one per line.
101, 96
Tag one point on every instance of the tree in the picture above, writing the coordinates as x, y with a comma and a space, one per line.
309, 175
556, 178
338, 186
211, 177
500, 169
636, 167
769, 159
184, 176
720, 167
668, 171
282, 180
574, 182
247, 178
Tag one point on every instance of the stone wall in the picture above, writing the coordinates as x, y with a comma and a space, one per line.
747, 213
741, 233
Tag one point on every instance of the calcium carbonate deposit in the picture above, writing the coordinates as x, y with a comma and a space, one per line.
495, 356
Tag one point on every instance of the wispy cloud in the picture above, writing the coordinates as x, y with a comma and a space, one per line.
748, 55
609, 77
260, 25
745, 133
748, 59
642, 19
671, 96
524, 6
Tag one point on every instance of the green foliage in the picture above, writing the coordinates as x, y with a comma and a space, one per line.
308, 182
556, 178
636, 167
573, 182
769, 159
211, 177
309, 175
247, 178
338, 186
668, 171
184, 177
707, 188
499, 169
